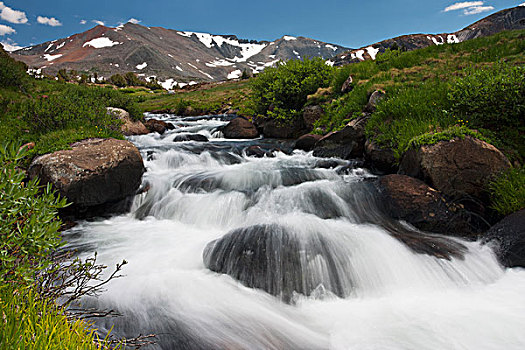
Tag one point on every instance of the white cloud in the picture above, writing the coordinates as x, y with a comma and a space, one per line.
462, 5
469, 7
6, 30
83, 21
13, 16
98, 22
477, 9
133, 20
10, 45
53, 22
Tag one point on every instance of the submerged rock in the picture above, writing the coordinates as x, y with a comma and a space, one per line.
93, 175
271, 258
508, 239
190, 137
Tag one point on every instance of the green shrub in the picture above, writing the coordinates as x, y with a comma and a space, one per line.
492, 98
507, 192
445, 135
118, 80
28, 220
280, 92
12, 73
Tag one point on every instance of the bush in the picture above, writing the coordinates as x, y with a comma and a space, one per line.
493, 99
280, 92
507, 192
12, 73
28, 220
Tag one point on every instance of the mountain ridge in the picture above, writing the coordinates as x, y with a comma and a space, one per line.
170, 55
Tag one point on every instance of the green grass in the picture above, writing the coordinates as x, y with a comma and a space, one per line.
233, 95
430, 90
29, 322
508, 191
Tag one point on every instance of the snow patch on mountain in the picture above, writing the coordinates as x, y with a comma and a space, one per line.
142, 66
99, 43
236, 74
289, 38
372, 52
52, 57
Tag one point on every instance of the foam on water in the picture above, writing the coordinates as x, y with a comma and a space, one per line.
393, 297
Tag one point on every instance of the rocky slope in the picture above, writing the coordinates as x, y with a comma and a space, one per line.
170, 55
509, 19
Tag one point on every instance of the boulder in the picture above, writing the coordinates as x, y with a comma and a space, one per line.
311, 114
409, 199
160, 126
373, 100
347, 85
460, 168
277, 260
507, 238
258, 152
346, 143
240, 128
379, 159
280, 129
307, 142
129, 126
190, 137
93, 174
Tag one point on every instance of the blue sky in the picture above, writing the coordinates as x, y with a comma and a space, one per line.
350, 23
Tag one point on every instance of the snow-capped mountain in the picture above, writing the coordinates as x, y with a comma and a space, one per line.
509, 19
170, 55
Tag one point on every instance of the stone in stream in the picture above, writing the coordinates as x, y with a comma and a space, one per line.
240, 128
94, 175
160, 126
508, 239
190, 137
271, 258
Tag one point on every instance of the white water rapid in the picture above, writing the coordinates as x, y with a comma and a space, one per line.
305, 231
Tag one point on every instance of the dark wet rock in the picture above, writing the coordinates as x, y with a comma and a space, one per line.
508, 239
376, 97
379, 159
346, 143
272, 258
240, 128
458, 168
277, 129
350, 166
328, 163
258, 152
307, 142
190, 137
311, 114
160, 126
347, 85
129, 127
96, 175
409, 199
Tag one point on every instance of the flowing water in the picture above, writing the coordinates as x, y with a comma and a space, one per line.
329, 270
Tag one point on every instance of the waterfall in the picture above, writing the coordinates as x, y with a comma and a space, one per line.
288, 251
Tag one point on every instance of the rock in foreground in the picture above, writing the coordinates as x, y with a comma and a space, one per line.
508, 238
458, 168
93, 174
